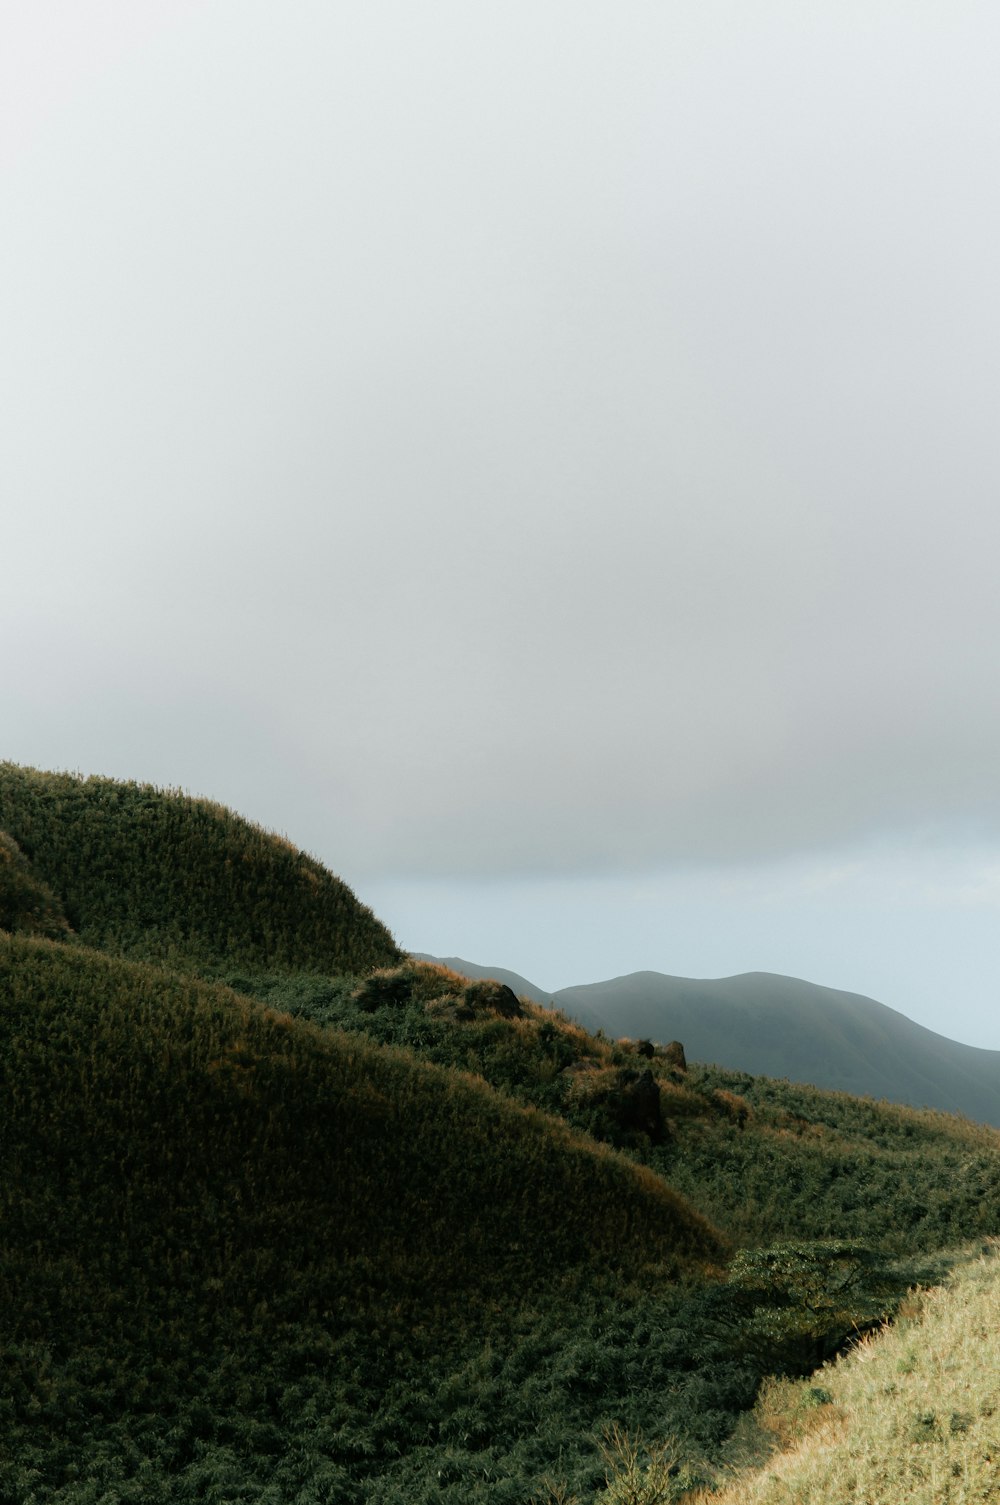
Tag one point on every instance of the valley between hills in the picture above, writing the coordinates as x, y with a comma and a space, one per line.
288, 1215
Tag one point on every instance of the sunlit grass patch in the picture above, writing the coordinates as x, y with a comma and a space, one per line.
911, 1414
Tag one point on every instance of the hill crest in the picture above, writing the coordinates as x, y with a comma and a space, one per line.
158, 875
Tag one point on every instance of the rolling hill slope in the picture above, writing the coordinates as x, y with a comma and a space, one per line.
763, 1159
171, 1096
231, 1237
366, 1236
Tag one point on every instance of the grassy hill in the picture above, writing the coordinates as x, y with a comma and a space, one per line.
184, 1093
158, 876
357, 1229
776, 1026
193, 1181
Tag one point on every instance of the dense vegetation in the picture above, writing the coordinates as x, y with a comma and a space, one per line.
324, 1225
194, 1183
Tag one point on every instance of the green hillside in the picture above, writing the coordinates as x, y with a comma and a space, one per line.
184, 1092
285, 1217
158, 876
278, 1236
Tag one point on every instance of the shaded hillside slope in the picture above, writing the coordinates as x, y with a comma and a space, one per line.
783, 1027
245, 1257
762, 1159
159, 1113
159, 876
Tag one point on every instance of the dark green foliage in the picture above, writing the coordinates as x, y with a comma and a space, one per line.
800, 1298
159, 876
813, 1165
240, 1251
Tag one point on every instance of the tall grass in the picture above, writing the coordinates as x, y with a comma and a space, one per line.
384, 1235
136, 1100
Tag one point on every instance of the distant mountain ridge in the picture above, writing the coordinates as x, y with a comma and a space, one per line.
769, 1025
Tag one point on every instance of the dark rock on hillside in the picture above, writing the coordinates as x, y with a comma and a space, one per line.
620, 1102
494, 995
437, 988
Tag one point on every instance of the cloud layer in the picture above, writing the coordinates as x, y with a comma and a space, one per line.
515, 441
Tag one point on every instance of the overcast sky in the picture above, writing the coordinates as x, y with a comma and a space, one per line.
544, 458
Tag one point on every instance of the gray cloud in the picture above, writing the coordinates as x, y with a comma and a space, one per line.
527, 441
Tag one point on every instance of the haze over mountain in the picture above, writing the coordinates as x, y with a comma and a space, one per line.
765, 1024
